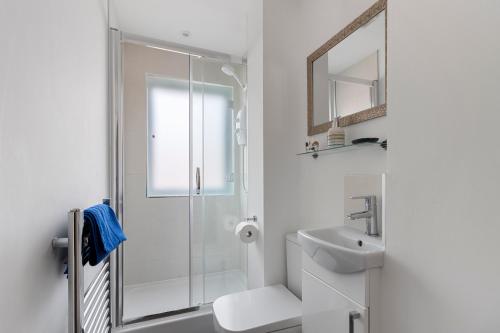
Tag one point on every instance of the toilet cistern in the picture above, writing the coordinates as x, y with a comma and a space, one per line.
370, 214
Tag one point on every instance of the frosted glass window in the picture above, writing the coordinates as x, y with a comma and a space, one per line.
168, 142
218, 162
168, 137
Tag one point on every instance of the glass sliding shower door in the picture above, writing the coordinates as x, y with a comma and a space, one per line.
182, 182
156, 204
218, 258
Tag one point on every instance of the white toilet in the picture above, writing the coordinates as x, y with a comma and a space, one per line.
269, 309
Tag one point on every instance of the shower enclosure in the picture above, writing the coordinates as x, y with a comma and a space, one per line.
180, 170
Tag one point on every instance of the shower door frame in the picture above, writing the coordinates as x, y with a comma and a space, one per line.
116, 163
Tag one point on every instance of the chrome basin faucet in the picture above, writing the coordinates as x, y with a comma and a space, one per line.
370, 214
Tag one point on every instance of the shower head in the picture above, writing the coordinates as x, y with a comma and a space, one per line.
229, 70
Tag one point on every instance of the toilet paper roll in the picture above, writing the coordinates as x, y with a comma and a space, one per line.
247, 232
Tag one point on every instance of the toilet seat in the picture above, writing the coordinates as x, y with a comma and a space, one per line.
259, 310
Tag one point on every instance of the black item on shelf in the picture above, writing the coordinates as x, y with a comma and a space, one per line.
364, 140
383, 144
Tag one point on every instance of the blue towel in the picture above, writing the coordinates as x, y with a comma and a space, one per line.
103, 231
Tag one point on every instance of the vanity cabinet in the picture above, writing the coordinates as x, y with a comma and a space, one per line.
328, 300
325, 310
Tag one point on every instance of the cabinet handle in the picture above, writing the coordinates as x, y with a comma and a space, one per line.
198, 181
353, 315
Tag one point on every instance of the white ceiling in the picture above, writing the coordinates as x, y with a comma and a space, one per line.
216, 25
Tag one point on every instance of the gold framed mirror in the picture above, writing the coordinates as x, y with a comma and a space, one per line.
347, 75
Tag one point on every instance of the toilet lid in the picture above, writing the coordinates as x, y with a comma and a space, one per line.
258, 310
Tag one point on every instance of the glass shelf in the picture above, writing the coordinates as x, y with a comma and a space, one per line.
338, 149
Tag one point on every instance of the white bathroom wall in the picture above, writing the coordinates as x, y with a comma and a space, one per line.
280, 164
255, 64
442, 270
53, 136
300, 191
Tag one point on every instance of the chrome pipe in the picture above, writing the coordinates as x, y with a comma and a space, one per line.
103, 327
75, 271
98, 301
92, 310
60, 243
116, 163
100, 313
99, 290
97, 282
180, 48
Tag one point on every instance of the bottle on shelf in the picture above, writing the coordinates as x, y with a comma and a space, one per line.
336, 134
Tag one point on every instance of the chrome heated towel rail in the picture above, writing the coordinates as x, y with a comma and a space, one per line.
89, 311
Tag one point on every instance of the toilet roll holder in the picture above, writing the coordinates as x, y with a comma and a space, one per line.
247, 230
251, 219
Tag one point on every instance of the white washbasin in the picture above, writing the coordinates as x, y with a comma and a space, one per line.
342, 249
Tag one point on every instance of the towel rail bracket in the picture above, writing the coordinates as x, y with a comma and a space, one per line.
62, 242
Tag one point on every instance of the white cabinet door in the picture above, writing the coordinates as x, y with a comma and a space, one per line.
325, 310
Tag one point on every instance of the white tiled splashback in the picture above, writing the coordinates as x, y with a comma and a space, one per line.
364, 184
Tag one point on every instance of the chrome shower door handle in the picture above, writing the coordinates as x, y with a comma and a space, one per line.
198, 181
352, 316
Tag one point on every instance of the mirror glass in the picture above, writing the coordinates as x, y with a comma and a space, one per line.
350, 77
